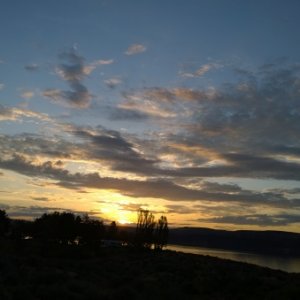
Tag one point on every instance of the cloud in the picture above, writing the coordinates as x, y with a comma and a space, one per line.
112, 147
16, 114
146, 103
217, 187
204, 69
135, 49
252, 127
73, 71
134, 207
164, 103
4, 206
158, 188
201, 71
286, 191
243, 166
47, 169
78, 97
27, 94
88, 69
147, 108
249, 112
38, 145
124, 114
32, 212
246, 129
43, 199
102, 146
2, 86
113, 82
179, 209
32, 67
101, 62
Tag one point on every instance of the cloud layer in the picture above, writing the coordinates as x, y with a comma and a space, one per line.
248, 129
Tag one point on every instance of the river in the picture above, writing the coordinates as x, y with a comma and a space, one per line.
287, 264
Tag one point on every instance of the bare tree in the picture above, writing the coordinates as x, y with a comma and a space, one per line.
144, 229
161, 233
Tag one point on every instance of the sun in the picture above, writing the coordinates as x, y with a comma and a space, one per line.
123, 221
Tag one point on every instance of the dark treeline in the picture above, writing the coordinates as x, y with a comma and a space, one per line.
66, 228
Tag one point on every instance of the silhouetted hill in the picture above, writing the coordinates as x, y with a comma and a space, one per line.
31, 269
270, 242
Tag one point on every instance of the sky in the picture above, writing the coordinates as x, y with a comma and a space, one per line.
186, 108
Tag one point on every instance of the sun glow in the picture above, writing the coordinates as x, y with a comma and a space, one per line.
123, 221
114, 213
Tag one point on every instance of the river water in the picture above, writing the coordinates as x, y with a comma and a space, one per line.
287, 264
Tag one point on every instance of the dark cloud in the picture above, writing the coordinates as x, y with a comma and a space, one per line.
180, 209
158, 188
4, 206
43, 199
98, 145
45, 170
258, 115
120, 114
33, 144
31, 212
32, 67
111, 146
216, 187
73, 71
121, 154
242, 166
134, 207
286, 191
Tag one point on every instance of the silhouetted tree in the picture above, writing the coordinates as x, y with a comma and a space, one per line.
61, 227
144, 229
91, 231
161, 233
21, 229
112, 231
4, 223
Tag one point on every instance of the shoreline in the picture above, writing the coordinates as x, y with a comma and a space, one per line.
275, 262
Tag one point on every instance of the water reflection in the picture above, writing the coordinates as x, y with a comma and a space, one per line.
291, 265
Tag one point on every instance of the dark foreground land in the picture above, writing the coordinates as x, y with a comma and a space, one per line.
33, 271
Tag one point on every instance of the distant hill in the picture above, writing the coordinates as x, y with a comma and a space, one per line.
268, 242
